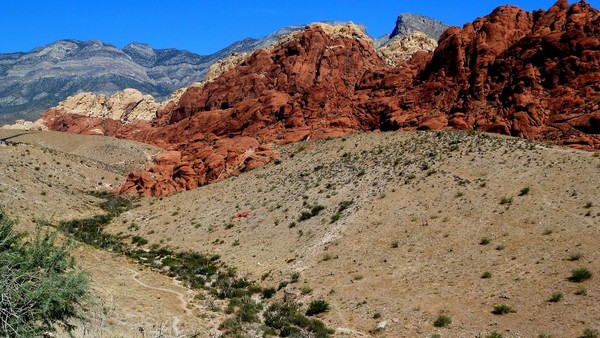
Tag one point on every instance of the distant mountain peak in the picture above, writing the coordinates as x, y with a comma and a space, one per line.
409, 23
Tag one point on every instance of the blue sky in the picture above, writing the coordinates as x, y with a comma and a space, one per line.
205, 26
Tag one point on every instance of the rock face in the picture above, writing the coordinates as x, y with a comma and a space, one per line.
403, 48
532, 75
408, 24
126, 106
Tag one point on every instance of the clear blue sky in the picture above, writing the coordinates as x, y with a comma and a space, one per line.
205, 26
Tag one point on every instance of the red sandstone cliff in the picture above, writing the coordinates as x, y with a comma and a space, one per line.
533, 75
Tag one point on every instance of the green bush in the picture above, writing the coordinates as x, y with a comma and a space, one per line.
335, 217
590, 333
502, 309
442, 321
290, 322
579, 275
494, 335
138, 240
524, 191
268, 293
344, 205
317, 306
40, 287
313, 211
556, 297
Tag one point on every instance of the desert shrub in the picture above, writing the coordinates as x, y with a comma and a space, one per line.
344, 205
305, 290
317, 306
506, 200
40, 287
494, 335
524, 191
556, 297
113, 204
486, 275
502, 309
248, 310
313, 211
335, 217
590, 333
442, 321
579, 275
139, 240
290, 322
268, 293
484, 241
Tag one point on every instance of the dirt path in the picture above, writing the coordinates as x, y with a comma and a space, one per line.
184, 303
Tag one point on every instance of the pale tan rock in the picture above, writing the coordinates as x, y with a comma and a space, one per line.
126, 106
26, 125
348, 30
224, 65
403, 48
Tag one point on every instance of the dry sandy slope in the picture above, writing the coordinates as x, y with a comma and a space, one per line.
46, 175
408, 249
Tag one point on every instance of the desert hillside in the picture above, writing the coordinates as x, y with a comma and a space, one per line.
53, 177
430, 213
392, 229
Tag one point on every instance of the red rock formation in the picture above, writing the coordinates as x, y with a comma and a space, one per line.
533, 75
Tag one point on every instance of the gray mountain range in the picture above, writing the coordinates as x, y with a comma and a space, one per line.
34, 81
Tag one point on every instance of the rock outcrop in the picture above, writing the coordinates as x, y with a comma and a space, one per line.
408, 24
532, 75
126, 106
99, 115
403, 48
39, 125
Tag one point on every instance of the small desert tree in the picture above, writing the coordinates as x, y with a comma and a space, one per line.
40, 290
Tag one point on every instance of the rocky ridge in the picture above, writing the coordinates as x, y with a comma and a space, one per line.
408, 24
532, 75
512, 72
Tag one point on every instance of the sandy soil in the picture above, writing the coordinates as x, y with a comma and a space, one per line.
409, 248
